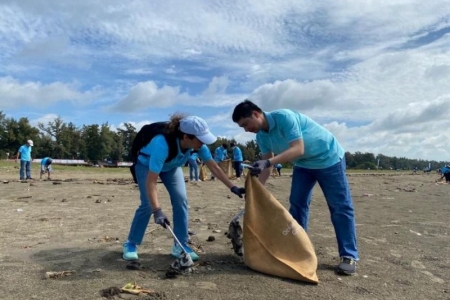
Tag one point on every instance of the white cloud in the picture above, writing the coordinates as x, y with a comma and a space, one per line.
297, 96
376, 73
45, 119
138, 71
137, 125
17, 94
217, 85
146, 95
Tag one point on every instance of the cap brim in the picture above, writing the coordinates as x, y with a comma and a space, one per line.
207, 139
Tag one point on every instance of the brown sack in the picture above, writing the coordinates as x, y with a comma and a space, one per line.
274, 243
203, 173
226, 167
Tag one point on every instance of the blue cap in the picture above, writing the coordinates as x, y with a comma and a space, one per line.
198, 127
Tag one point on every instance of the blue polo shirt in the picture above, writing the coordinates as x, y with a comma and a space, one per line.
44, 161
158, 151
220, 154
193, 157
237, 154
321, 149
25, 152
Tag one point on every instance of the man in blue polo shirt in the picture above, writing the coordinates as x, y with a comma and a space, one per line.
24, 153
220, 154
285, 135
46, 167
237, 159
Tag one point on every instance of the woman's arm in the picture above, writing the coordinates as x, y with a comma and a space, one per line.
152, 194
219, 173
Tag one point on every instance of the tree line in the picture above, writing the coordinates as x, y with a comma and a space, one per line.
94, 143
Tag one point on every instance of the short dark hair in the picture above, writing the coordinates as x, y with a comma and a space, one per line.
232, 144
225, 145
245, 110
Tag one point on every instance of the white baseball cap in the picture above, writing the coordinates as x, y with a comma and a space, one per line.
30, 142
198, 127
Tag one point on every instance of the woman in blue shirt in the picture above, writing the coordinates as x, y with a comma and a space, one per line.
191, 133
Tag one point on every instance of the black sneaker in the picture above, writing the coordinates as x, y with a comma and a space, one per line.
347, 266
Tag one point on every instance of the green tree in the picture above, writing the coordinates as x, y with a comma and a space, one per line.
127, 136
91, 137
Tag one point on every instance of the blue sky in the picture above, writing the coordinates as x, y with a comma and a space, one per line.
375, 73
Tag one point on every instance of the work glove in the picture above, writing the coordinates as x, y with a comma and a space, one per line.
238, 191
160, 217
259, 166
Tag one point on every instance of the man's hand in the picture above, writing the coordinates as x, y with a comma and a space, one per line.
160, 217
259, 166
238, 191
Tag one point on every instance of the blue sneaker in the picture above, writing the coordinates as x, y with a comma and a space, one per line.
177, 251
130, 251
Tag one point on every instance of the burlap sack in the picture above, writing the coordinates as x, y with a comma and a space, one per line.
203, 173
274, 243
226, 166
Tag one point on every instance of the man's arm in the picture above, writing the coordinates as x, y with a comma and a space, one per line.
295, 150
18, 154
266, 172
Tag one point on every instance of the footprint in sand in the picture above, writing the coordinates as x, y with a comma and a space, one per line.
396, 253
418, 265
181, 284
433, 277
373, 241
331, 251
206, 285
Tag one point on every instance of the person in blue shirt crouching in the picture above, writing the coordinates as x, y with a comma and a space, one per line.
189, 133
46, 167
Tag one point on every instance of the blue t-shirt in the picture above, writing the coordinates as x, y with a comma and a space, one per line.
237, 154
158, 151
25, 152
321, 149
44, 161
278, 166
220, 154
193, 157
445, 169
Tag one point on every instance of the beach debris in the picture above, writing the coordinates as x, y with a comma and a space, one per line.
56, 275
134, 265
110, 292
135, 289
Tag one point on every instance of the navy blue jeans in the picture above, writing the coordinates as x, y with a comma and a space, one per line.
193, 170
334, 184
237, 168
25, 166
